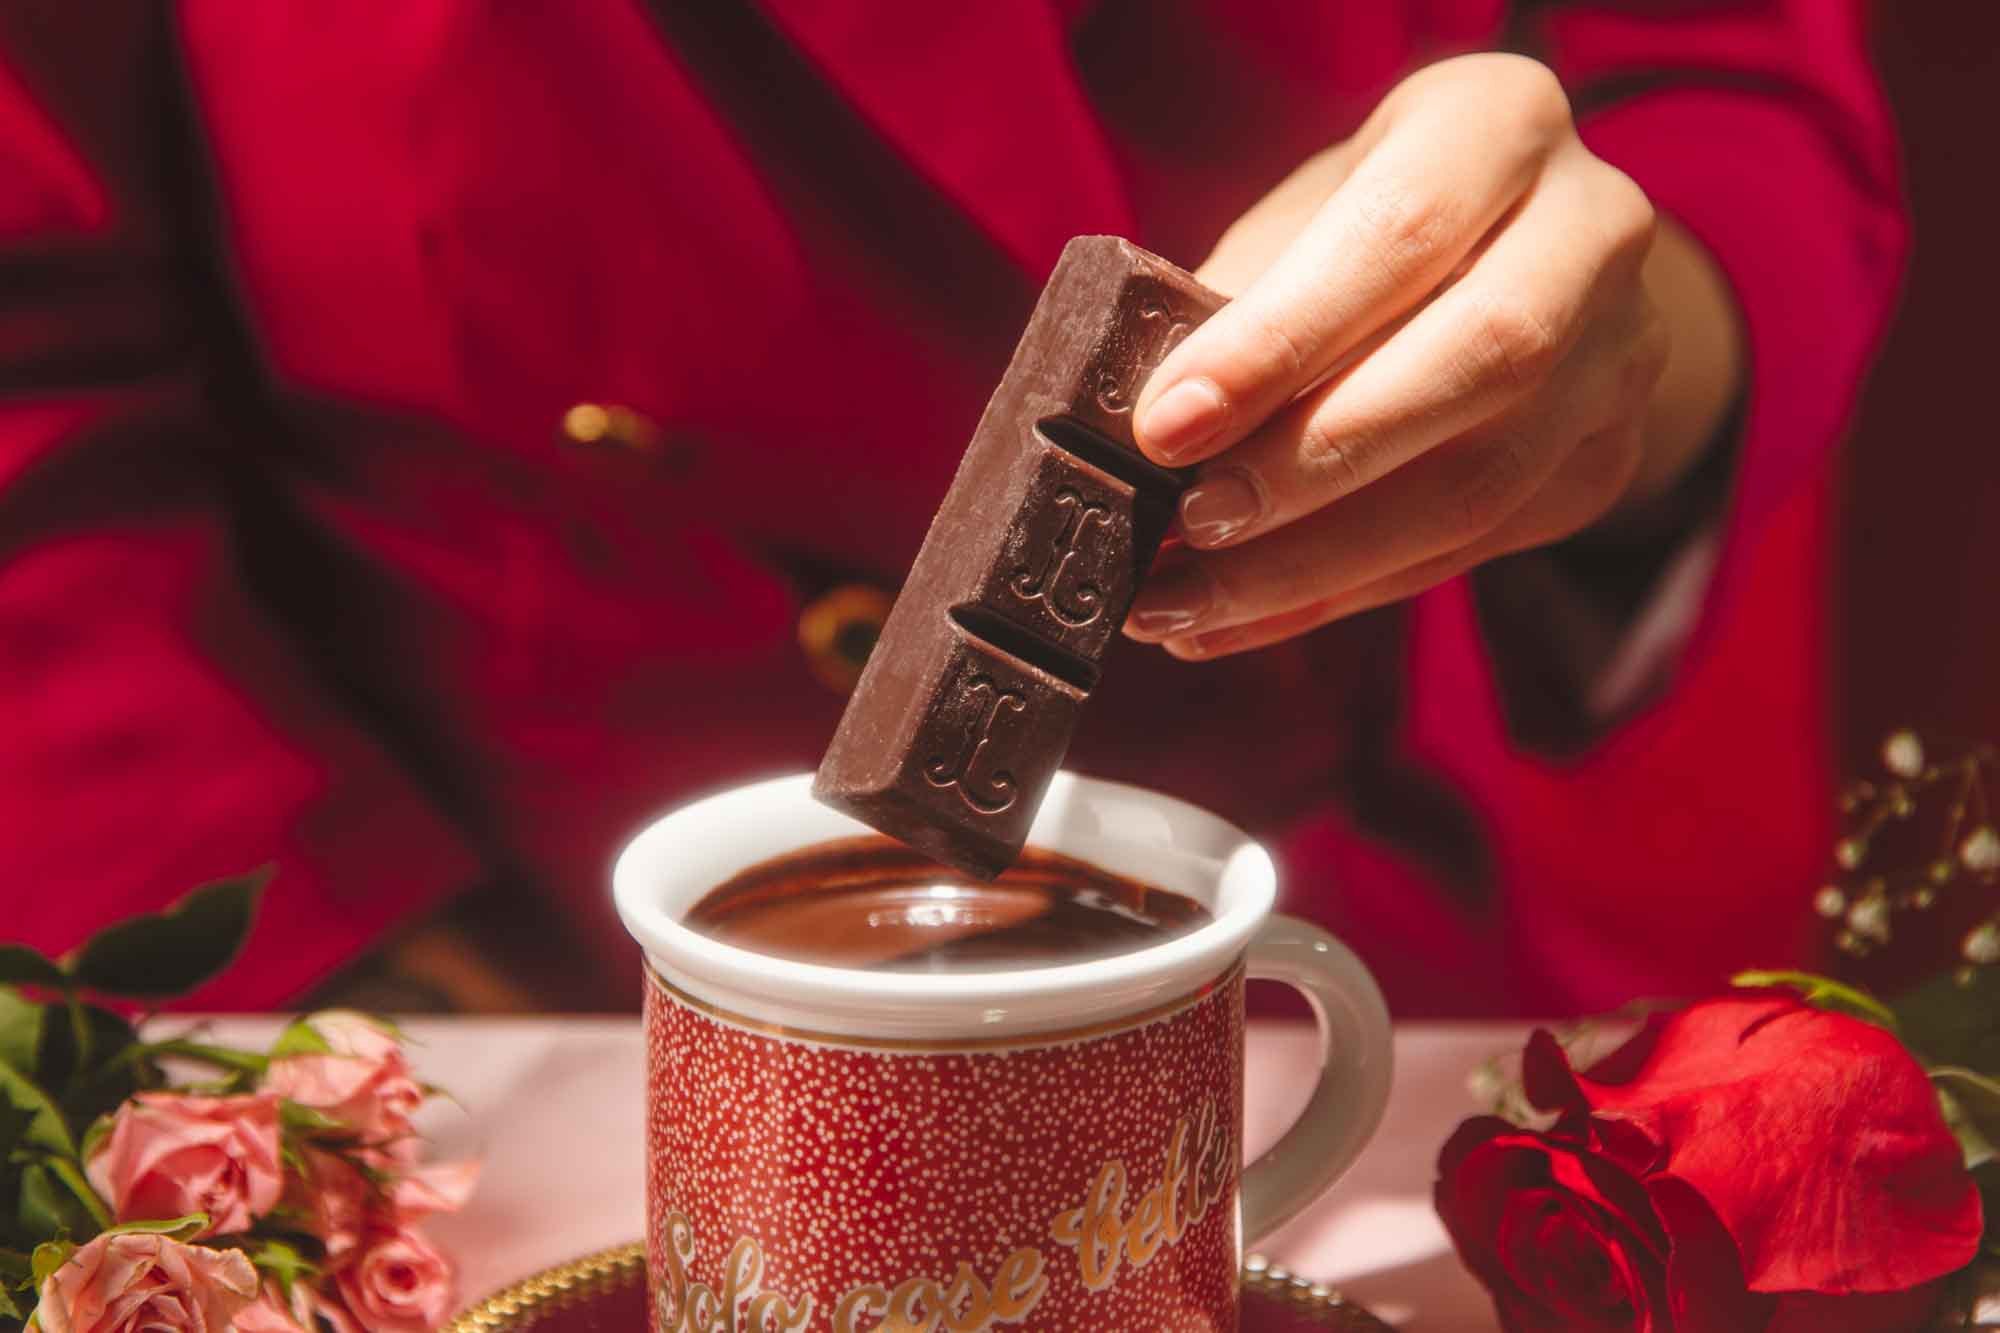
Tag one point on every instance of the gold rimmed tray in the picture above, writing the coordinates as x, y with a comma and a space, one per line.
606, 1293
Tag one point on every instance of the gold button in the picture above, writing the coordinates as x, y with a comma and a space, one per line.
838, 630
608, 423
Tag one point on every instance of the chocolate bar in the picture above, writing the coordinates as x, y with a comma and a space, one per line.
968, 701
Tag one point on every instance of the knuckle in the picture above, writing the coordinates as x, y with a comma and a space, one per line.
1424, 81
1512, 346
1224, 596
1408, 229
1242, 588
1494, 478
1291, 581
1630, 218
1279, 352
1332, 458
1597, 476
1539, 98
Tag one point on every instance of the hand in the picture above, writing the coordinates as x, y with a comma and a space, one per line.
1441, 349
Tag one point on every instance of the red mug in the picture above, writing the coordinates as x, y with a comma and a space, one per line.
851, 1151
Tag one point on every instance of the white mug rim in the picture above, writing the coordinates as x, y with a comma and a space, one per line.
852, 999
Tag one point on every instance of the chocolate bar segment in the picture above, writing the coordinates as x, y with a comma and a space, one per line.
969, 699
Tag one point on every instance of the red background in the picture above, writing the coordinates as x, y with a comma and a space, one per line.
1919, 592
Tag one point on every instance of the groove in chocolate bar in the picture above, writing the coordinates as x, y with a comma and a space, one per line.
1141, 474
1079, 673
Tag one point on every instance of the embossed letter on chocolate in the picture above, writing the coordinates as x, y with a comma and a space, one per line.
967, 703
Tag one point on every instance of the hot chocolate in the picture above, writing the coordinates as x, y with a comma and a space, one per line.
872, 902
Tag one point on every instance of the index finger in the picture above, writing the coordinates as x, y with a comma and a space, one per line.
1409, 213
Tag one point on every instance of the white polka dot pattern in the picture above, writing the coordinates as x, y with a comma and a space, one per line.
1079, 1184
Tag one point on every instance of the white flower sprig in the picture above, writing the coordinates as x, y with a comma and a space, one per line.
1864, 900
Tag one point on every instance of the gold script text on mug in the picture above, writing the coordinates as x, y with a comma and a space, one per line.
1099, 1229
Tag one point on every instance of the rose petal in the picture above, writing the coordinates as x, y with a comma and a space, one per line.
1546, 1077
170, 1154
1611, 1190
1813, 1135
319, 1080
401, 1283
1705, 1287
268, 1314
333, 1196
1544, 1227
1627, 1144
1481, 1165
350, 1033
442, 1187
132, 1282
317, 1305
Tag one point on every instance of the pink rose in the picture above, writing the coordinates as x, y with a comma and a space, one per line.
340, 1205
312, 1308
443, 1187
271, 1313
170, 1155
146, 1284
334, 1197
399, 1284
362, 1080
318, 1308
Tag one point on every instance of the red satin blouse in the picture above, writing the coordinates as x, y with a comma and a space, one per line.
306, 557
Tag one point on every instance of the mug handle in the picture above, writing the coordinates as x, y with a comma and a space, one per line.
1355, 1062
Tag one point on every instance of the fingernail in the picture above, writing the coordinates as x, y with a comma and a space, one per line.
1201, 647
1183, 418
1172, 603
1220, 506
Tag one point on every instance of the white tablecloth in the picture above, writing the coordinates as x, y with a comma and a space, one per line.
554, 1107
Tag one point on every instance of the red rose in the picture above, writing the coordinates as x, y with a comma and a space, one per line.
1746, 1164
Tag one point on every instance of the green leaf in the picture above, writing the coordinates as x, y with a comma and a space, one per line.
283, 1262
222, 1057
48, 1257
308, 1120
22, 966
174, 1228
1974, 1146
20, 1030
80, 1040
93, 1138
14, 1124
81, 1060
1949, 1023
170, 953
1823, 993
47, 1208
17, 1274
1971, 1105
71, 1175
299, 1038
46, 1130
1988, 1179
